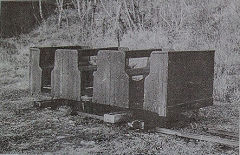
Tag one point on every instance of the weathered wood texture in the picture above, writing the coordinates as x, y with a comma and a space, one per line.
94, 51
214, 139
111, 83
47, 63
87, 70
155, 86
137, 76
136, 88
43, 62
179, 81
72, 74
117, 117
35, 73
140, 53
223, 133
190, 79
66, 77
136, 93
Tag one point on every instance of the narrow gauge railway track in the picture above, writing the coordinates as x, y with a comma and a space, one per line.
211, 134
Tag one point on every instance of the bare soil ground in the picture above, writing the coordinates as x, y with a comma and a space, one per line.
27, 130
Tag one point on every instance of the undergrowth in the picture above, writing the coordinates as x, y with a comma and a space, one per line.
14, 52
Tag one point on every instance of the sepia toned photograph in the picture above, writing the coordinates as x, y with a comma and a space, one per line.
120, 77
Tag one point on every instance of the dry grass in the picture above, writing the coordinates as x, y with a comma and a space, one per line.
14, 54
30, 131
27, 130
33, 131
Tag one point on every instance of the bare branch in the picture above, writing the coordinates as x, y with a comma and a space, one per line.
105, 9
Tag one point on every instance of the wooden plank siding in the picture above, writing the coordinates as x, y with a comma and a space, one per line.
179, 81
111, 83
175, 81
41, 65
155, 86
190, 79
66, 77
35, 71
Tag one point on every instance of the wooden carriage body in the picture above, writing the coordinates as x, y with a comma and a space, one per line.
173, 82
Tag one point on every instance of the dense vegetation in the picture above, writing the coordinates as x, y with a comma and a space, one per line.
137, 24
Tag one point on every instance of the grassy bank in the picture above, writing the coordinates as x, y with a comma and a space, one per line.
179, 25
14, 55
192, 26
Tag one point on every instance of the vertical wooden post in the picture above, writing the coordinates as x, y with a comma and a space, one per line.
155, 86
66, 77
56, 75
35, 73
111, 83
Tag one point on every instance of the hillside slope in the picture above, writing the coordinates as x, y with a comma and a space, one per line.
175, 25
